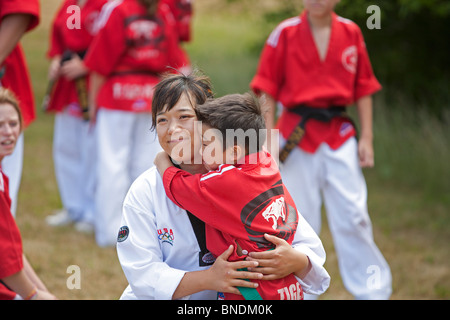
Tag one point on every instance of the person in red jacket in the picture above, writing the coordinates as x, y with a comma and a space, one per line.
242, 197
73, 138
17, 278
126, 63
16, 18
315, 65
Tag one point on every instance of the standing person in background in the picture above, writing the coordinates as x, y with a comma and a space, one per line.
17, 278
16, 18
315, 65
137, 42
73, 138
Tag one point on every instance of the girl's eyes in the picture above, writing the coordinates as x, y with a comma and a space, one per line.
181, 117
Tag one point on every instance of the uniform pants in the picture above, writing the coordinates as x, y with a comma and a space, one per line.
126, 148
12, 167
74, 160
336, 177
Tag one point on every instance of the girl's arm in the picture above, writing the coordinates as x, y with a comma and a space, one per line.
24, 287
222, 276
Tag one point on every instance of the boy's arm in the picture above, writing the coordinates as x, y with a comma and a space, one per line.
198, 194
162, 162
365, 144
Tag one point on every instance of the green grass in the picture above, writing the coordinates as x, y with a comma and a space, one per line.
408, 188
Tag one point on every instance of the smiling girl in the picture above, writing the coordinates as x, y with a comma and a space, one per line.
17, 278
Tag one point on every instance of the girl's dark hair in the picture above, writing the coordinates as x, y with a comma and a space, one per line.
150, 5
196, 86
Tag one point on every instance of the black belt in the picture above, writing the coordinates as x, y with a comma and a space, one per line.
321, 114
205, 258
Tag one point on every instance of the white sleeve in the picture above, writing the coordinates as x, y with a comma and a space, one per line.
140, 254
307, 241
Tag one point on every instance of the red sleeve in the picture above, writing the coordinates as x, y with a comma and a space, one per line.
366, 83
186, 191
10, 241
30, 7
269, 75
177, 57
182, 12
108, 46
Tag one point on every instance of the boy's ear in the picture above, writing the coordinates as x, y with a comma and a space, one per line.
237, 152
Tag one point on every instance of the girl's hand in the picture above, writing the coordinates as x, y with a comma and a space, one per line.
225, 277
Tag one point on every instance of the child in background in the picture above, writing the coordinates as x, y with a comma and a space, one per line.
73, 138
315, 65
17, 278
16, 18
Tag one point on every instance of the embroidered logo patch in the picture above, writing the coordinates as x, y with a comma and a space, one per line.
345, 129
350, 59
123, 234
166, 235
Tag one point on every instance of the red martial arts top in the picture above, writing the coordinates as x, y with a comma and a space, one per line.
132, 56
291, 71
16, 77
182, 12
239, 203
66, 37
10, 240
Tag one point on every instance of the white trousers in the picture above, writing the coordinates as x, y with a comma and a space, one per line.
12, 167
74, 160
126, 148
335, 176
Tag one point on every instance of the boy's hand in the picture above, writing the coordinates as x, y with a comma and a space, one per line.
280, 262
162, 162
365, 153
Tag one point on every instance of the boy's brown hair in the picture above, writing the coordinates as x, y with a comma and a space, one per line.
8, 97
196, 86
235, 112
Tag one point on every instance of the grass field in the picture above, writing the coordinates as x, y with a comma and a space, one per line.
409, 188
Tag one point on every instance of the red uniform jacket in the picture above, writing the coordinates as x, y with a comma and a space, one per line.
238, 205
182, 12
75, 39
10, 240
16, 77
131, 50
291, 71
